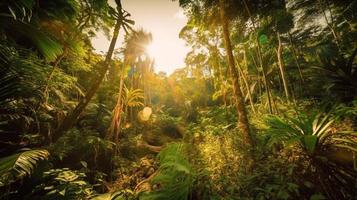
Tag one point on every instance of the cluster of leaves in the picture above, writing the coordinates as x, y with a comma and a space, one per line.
63, 184
20, 165
76, 146
45, 58
215, 121
314, 135
270, 178
174, 178
312, 132
296, 155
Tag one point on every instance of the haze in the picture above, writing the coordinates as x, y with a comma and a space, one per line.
164, 19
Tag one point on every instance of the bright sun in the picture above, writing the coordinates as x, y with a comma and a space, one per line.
168, 54
153, 50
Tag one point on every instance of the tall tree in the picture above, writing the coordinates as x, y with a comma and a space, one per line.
243, 123
260, 56
91, 14
135, 47
69, 121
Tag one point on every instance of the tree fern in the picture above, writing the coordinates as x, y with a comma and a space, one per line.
19, 165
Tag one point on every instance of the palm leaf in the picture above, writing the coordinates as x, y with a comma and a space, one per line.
20, 74
46, 45
19, 165
311, 132
321, 126
133, 97
346, 147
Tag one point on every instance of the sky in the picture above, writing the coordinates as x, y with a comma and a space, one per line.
164, 19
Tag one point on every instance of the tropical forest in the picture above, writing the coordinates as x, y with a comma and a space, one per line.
178, 99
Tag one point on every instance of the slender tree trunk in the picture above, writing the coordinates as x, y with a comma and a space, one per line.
243, 124
145, 81
71, 119
246, 82
330, 25
296, 58
248, 89
149, 78
260, 57
282, 67
265, 77
114, 129
217, 74
54, 67
258, 74
223, 83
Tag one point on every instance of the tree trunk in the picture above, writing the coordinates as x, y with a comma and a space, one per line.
246, 83
296, 58
114, 129
243, 124
248, 90
282, 67
260, 57
71, 119
255, 64
330, 25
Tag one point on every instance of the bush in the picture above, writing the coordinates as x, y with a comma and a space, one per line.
63, 184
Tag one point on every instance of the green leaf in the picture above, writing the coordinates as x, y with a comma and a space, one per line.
310, 142
21, 164
84, 164
46, 45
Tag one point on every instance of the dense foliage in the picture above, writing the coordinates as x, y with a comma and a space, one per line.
265, 108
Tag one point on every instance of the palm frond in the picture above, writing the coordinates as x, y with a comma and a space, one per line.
45, 44
20, 74
19, 165
313, 133
133, 97
19, 10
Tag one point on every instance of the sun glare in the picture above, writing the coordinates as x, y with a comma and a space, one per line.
167, 53
153, 50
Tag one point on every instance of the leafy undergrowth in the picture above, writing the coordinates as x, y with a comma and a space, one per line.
295, 157
133, 173
174, 177
302, 166
211, 162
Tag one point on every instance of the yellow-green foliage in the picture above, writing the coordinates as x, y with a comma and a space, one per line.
174, 178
